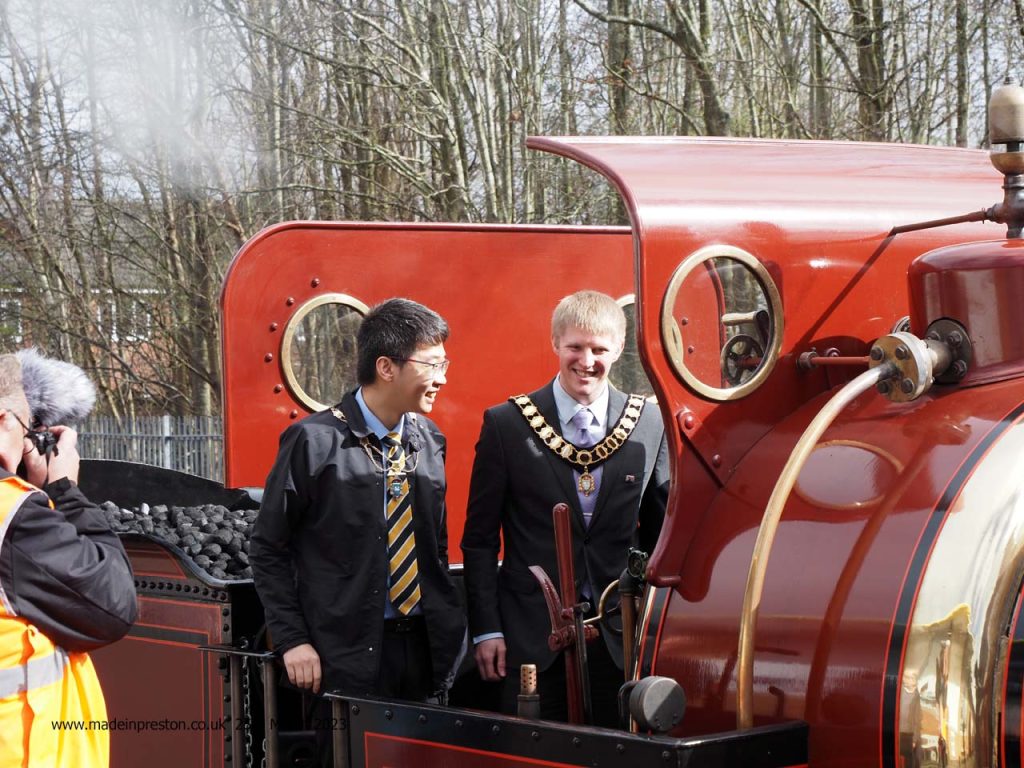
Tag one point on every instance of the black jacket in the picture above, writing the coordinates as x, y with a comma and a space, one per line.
516, 481
318, 547
65, 571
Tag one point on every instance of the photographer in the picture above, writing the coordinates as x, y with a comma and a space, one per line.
65, 583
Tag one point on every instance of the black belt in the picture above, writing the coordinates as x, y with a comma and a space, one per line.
404, 624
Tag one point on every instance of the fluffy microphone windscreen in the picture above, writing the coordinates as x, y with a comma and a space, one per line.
57, 392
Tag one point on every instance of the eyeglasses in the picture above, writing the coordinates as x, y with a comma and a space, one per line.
22, 423
43, 440
435, 368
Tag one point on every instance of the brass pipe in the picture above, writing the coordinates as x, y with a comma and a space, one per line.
820, 360
602, 604
811, 359
986, 214
769, 525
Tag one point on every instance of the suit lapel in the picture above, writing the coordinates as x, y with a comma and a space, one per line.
544, 399
610, 475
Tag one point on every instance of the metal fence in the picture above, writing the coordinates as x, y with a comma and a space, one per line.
192, 444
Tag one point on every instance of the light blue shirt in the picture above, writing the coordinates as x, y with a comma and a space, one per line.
377, 427
567, 408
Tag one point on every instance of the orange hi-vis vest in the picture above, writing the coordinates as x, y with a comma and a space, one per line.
52, 711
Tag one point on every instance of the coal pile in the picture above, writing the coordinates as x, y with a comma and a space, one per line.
215, 538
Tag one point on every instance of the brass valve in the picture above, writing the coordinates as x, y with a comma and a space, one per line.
1006, 128
914, 364
1006, 138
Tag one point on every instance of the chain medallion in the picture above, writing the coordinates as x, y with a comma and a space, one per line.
393, 470
582, 458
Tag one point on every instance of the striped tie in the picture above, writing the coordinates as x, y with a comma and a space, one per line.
405, 577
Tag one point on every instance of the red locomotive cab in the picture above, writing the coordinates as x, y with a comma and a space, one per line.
845, 540
289, 334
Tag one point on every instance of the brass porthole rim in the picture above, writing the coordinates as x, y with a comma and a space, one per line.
289, 331
672, 338
847, 443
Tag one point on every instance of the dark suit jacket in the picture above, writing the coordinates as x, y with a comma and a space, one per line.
318, 547
515, 483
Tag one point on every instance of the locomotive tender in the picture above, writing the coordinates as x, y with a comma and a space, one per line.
839, 578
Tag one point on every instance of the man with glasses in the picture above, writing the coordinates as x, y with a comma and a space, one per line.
350, 548
65, 582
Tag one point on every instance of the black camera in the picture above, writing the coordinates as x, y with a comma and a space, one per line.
44, 441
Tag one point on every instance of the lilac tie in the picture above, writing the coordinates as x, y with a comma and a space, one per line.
583, 421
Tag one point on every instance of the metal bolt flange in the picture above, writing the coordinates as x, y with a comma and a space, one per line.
907, 385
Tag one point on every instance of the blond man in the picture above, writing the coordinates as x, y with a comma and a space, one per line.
518, 477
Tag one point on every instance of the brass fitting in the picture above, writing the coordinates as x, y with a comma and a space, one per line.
915, 364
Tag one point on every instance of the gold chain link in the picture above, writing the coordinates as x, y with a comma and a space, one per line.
392, 469
567, 451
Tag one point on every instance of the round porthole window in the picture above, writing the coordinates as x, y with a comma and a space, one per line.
628, 373
721, 322
318, 351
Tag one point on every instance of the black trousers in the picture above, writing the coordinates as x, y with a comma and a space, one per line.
605, 681
406, 672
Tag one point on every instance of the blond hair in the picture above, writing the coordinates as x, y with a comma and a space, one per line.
592, 311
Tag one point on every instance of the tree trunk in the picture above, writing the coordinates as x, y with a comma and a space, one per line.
619, 69
962, 73
871, 97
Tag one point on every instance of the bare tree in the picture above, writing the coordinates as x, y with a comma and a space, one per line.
688, 26
142, 141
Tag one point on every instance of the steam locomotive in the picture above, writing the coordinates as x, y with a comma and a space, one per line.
839, 577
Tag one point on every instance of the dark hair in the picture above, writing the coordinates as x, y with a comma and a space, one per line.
395, 328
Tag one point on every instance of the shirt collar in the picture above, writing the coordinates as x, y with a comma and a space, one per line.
374, 424
568, 407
